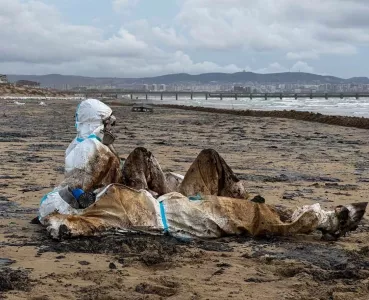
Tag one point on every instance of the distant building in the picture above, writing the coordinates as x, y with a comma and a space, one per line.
242, 89
146, 87
27, 83
288, 86
163, 87
79, 89
226, 87
3, 79
154, 87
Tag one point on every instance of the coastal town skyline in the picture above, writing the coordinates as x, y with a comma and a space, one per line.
211, 82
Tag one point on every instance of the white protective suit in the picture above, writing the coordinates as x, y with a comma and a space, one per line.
80, 157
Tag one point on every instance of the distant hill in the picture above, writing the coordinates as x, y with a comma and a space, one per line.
59, 81
11, 90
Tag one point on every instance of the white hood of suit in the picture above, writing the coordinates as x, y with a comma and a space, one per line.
89, 118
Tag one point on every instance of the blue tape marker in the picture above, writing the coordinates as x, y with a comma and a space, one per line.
93, 136
45, 197
43, 200
195, 198
163, 217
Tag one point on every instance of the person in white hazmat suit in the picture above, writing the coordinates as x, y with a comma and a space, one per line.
99, 194
91, 149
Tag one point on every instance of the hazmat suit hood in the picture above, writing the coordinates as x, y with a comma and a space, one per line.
89, 118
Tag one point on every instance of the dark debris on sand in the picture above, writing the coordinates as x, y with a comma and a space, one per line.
327, 264
292, 114
148, 249
290, 177
14, 280
331, 260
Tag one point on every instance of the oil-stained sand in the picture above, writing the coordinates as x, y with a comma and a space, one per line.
288, 162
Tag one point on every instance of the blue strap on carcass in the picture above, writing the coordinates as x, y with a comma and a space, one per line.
163, 217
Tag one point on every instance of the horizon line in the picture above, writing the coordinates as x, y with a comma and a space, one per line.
182, 73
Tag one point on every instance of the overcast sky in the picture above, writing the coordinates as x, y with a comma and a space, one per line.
134, 38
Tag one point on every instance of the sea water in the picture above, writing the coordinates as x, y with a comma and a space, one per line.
332, 106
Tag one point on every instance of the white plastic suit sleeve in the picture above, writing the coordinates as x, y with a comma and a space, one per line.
51, 203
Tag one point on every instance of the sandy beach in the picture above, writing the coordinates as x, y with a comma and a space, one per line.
291, 162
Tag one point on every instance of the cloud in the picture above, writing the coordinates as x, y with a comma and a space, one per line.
312, 54
37, 39
273, 68
176, 62
301, 66
276, 67
123, 5
160, 35
35, 33
303, 29
169, 37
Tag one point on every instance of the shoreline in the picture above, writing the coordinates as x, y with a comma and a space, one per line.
339, 120
346, 121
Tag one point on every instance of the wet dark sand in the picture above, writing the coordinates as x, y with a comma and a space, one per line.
287, 161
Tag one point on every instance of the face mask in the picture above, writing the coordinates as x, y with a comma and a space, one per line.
109, 137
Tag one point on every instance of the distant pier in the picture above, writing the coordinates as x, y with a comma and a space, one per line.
219, 95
